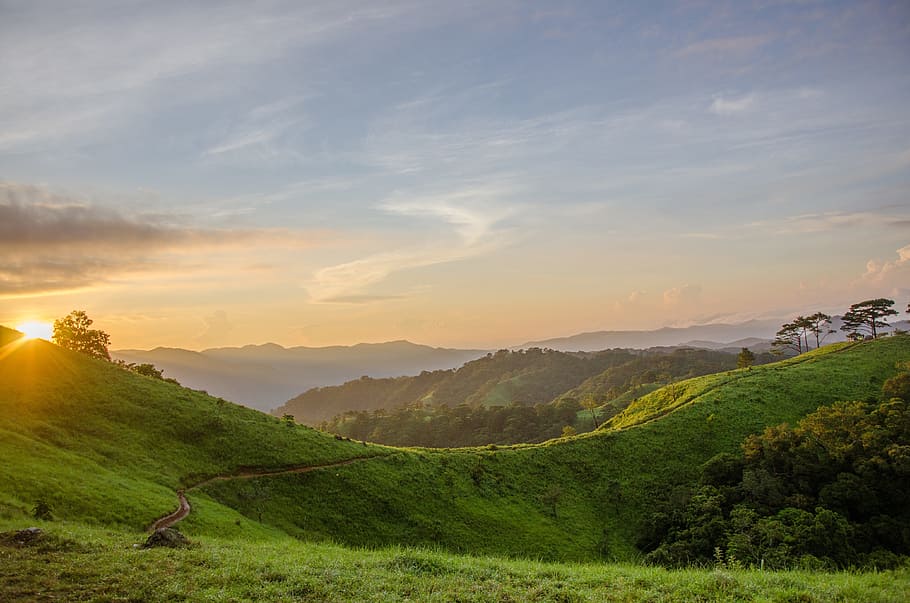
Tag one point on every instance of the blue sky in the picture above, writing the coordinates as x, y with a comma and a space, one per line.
455, 173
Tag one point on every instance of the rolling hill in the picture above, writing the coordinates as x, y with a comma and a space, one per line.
105, 446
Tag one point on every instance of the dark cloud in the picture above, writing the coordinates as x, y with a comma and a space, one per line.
50, 242
33, 218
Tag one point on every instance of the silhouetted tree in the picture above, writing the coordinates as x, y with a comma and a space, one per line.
73, 333
789, 337
819, 325
745, 359
868, 316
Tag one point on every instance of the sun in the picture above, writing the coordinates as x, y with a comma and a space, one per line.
35, 329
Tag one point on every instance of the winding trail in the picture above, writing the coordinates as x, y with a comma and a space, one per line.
184, 508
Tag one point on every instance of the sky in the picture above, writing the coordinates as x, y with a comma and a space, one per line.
462, 174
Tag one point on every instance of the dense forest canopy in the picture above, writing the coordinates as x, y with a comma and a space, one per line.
830, 492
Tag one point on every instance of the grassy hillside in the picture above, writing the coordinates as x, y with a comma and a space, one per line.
103, 445
581, 498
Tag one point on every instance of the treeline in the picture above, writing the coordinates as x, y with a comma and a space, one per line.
865, 319
466, 421
525, 377
831, 492
462, 425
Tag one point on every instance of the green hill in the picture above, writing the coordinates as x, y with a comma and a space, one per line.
526, 377
503, 398
103, 445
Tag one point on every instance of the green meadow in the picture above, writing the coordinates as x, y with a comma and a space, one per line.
105, 449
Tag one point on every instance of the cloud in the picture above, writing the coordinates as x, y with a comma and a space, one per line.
829, 221
68, 81
260, 129
732, 106
684, 295
217, 327
473, 214
52, 242
898, 270
742, 45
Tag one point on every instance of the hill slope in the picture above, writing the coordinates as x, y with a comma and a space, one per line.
528, 377
104, 445
580, 498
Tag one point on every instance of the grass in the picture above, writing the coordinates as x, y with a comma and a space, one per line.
106, 448
574, 499
104, 445
77, 563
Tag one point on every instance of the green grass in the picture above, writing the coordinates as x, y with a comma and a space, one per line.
495, 501
76, 563
104, 445
106, 448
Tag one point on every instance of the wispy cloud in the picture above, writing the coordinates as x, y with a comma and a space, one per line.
740, 45
475, 215
258, 132
828, 221
77, 84
732, 106
682, 295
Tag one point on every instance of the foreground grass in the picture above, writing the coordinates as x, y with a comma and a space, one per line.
77, 563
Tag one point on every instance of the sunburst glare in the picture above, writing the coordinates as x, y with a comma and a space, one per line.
35, 329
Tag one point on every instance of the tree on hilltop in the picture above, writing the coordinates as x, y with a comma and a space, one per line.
819, 324
789, 337
867, 317
73, 333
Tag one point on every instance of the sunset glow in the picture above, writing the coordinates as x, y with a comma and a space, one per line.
464, 174
36, 330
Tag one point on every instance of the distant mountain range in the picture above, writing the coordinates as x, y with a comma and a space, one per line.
709, 336
750, 334
265, 376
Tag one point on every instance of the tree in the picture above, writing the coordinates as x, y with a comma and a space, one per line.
867, 317
590, 403
819, 325
790, 337
73, 333
745, 359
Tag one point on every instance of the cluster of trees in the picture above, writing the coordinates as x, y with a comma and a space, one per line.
830, 492
462, 425
74, 332
794, 336
863, 319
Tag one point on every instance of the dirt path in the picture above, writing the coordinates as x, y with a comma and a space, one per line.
184, 507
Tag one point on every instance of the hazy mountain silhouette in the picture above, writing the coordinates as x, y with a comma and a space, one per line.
265, 376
